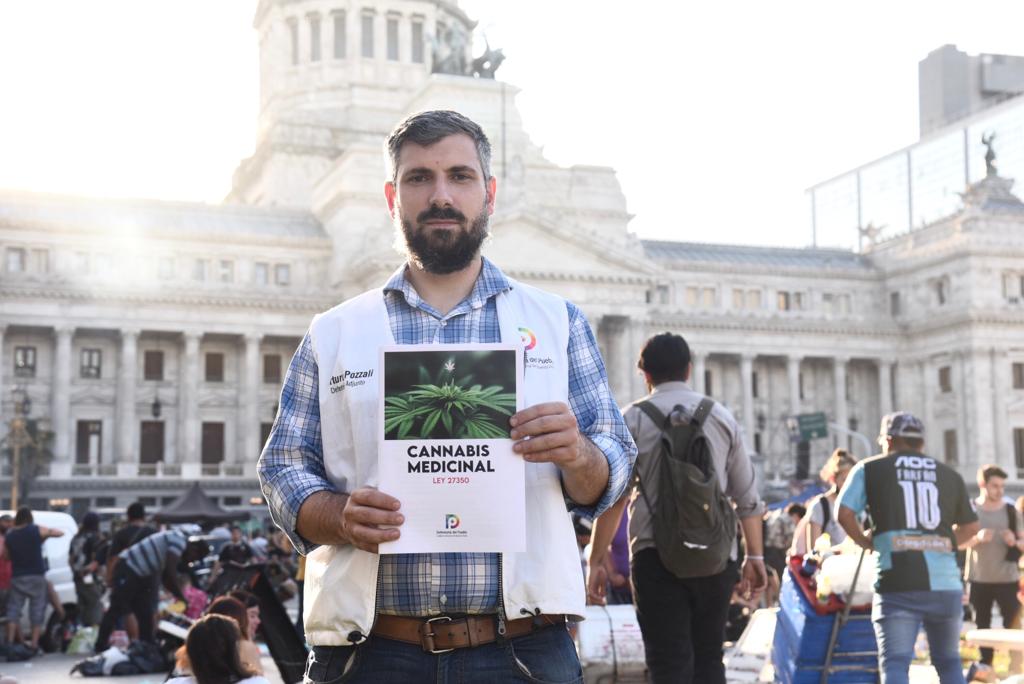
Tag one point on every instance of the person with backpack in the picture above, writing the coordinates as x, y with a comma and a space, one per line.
693, 479
821, 516
993, 554
84, 567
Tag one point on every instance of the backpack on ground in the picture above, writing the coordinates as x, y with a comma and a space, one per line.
694, 522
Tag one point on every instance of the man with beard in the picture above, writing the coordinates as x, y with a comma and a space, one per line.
418, 617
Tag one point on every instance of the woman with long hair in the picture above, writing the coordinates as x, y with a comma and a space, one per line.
248, 651
212, 647
822, 512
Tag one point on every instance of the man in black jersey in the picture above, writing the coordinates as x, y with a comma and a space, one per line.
920, 514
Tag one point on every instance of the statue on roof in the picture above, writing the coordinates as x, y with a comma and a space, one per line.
990, 154
450, 53
486, 64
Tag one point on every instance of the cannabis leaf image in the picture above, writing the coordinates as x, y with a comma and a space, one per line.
443, 407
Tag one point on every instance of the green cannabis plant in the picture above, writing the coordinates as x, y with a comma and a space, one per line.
448, 409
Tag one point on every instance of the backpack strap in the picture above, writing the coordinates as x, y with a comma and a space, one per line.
1011, 518
826, 512
648, 407
702, 412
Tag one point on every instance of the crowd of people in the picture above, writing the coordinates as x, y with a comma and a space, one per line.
125, 576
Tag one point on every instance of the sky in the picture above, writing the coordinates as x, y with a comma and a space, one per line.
716, 116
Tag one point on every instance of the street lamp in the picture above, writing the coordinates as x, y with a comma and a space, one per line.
18, 438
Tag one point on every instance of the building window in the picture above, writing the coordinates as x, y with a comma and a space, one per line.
165, 268
314, 38
738, 299
339, 35
199, 268
40, 261
90, 365
949, 447
707, 383
214, 367
213, 443
1018, 376
800, 385
692, 297
24, 362
894, 304
15, 260
366, 39
708, 297
392, 36
88, 442
293, 32
945, 383
941, 289
105, 502
265, 429
418, 55
231, 501
753, 300
282, 274
261, 273
153, 365
1018, 450
272, 368
785, 301
753, 384
757, 442
227, 271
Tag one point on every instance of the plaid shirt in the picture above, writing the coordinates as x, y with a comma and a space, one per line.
291, 467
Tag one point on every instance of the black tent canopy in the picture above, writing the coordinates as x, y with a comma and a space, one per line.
194, 506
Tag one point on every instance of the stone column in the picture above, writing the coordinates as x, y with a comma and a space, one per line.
248, 424
188, 399
747, 380
62, 393
697, 374
1002, 452
961, 395
127, 372
927, 401
841, 415
3, 365
793, 373
884, 386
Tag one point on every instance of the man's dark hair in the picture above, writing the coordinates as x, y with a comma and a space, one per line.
23, 516
987, 472
236, 527
796, 509
136, 511
665, 357
427, 128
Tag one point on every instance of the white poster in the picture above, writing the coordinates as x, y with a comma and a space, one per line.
445, 451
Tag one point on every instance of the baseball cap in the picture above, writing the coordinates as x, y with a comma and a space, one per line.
900, 424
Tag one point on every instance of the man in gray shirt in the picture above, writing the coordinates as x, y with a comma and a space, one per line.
682, 620
991, 575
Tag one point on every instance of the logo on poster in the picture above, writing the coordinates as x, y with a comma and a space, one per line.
451, 521
528, 338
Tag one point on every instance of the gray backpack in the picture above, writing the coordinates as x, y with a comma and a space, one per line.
694, 522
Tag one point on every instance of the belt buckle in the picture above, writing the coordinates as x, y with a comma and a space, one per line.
427, 637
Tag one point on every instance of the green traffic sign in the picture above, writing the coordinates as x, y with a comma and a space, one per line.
812, 426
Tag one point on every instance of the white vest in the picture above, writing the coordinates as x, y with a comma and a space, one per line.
341, 581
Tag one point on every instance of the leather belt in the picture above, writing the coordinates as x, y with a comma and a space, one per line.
443, 633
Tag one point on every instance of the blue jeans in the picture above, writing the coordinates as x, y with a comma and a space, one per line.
898, 616
547, 656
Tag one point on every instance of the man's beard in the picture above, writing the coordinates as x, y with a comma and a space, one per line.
441, 251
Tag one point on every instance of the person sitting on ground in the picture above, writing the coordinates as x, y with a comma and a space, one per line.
196, 599
252, 610
24, 546
212, 649
236, 553
248, 651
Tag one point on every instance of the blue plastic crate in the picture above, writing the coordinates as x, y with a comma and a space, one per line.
801, 641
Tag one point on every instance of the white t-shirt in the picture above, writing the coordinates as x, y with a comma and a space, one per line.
192, 680
835, 531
